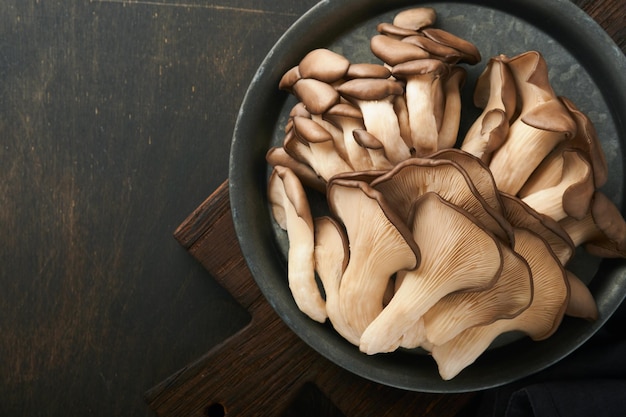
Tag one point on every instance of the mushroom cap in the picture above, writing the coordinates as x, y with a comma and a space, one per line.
434, 67
370, 89
435, 49
316, 95
367, 70
393, 51
324, 65
380, 245
289, 78
415, 18
366, 139
469, 51
390, 29
278, 156
457, 255
610, 222
310, 131
510, 295
411, 179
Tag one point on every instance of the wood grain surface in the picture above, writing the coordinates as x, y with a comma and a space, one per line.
115, 124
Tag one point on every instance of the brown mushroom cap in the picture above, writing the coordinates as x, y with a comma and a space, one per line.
289, 79
415, 18
370, 89
278, 156
392, 30
324, 65
367, 70
411, 179
393, 51
469, 51
316, 95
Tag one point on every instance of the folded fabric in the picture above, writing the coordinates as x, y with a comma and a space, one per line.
589, 382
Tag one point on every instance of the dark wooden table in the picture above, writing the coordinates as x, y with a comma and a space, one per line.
115, 124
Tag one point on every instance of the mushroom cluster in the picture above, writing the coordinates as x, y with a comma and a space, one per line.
426, 244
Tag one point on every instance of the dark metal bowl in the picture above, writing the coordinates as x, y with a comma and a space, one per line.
585, 66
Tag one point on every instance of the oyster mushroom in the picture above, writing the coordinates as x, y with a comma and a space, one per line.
542, 124
323, 158
495, 93
349, 118
292, 213
415, 18
374, 148
411, 179
317, 96
510, 295
602, 231
521, 215
331, 259
367, 70
374, 97
277, 156
424, 99
457, 254
571, 196
581, 302
394, 51
380, 245
449, 129
539, 321
469, 52
324, 65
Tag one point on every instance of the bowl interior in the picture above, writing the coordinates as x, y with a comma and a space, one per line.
585, 66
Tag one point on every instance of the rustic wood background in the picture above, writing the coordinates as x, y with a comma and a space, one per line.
115, 124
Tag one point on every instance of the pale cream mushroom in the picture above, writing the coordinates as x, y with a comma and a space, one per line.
542, 124
292, 213
425, 100
521, 215
571, 196
374, 97
449, 130
602, 231
457, 254
331, 259
539, 321
380, 246
510, 295
496, 94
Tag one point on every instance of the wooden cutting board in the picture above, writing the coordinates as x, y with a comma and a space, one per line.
263, 369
